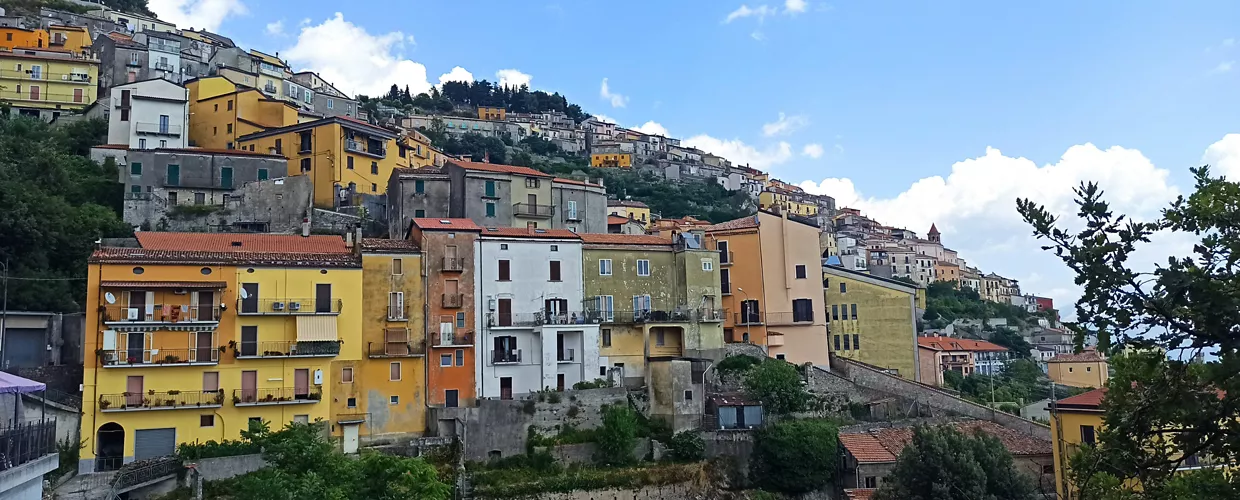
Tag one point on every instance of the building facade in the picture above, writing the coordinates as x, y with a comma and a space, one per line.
580, 206
936, 355
149, 114
45, 83
1087, 369
450, 268
872, 320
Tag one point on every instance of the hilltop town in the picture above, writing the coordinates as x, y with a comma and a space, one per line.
482, 274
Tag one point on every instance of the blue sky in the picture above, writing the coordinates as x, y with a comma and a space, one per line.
902, 99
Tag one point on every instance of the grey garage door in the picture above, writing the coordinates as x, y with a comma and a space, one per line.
27, 347
151, 443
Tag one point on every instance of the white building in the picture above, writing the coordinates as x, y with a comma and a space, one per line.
163, 54
149, 114
533, 333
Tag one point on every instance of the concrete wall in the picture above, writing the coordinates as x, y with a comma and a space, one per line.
25, 482
884, 329
674, 397
279, 204
404, 201
591, 207
583, 453
214, 469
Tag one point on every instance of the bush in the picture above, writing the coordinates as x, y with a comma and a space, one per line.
778, 386
598, 383
615, 438
686, 446
527, 483
795, 456
736, 364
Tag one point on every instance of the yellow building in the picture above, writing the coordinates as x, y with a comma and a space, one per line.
271, 73
391, 391
338, 153
632, 210
44, 83
1075, 421
14, 38
492, 113
75, 39
622, 160
221, 111
1088, 369
194, 335
424, 154
872, 320
769, 199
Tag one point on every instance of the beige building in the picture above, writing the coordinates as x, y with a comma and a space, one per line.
1087, 369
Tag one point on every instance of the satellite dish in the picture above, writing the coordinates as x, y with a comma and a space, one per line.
109, 297
245, 294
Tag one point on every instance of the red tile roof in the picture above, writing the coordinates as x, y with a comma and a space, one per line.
241, 242
859, 493
575, 181
163, 284
521, 232
866, 448
884, 445
623, 239
957, 344
616, 219
1088, 400
1085, 357
495, 167
626, 203
221, 151
118, 255
384, 245
749, 222
430, 224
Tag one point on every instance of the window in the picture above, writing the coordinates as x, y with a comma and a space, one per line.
374, 168
847, 344
135, 169
750, 314
504, 273
835, 312
349, 163
555, 248
279, 146
871, 482
708, 265
643, 267
228, 128
460, 320
174, 175
781, 357
604, 267
210, 381
490, 209
445, 360
230, 105
374, 188
305, 164
854, 311
331, 104
843, 287
800, 271
351, 402
555, 270
688, 395
837, 342
530, 182
802, 310
206, 420
490, 189
856, 341
606, 337
844, 312
395, 400
141, 143
460, 353
503, 246
135, 189
394, 371
1088, 369
124, 111
1087, 434
305, 142
226, 177
572, 210
419, 186
604, 304
419, 213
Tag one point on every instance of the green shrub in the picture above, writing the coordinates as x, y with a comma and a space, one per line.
778, 386
554, 398
518, 483
686, 446
598, 383
615, 438
795, 456
573, 411
736, 364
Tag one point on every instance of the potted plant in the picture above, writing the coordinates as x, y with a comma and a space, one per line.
173, 392
219, 397
236, 400
150, 392
104, 404
170, 402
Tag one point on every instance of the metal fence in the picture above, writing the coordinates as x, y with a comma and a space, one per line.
27, 442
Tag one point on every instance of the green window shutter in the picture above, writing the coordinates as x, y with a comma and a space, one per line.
262, 174
174, 175
490, 210
226, 177
491, 188
135, 168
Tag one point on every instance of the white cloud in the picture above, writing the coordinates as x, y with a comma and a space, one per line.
757, 35
276, 28
605, 118
653, 128
795, 7
1223, 67
744, 11
354, 60
304, 22
617, 100
1223, 157
784, 125
198, 14
740, 153
513, 78
814, 151
1229, 42
458, 74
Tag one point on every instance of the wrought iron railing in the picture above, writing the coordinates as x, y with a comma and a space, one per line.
457, 338
533, 210
26, 442
159, 357
160, 400
749, 318
288, 349
395, 349
453, 264
274, 396
453, 300
289, 306
162, 313
500, 356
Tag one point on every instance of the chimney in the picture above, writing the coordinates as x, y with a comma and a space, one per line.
358, 238
486, 157
348, 239
305, 227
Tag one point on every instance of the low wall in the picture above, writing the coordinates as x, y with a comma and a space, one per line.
583, 453
214, 469
680, 491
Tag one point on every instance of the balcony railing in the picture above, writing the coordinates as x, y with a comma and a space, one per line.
787, 318
505, 357
453, 300
163, 66
501, 320
749, 318
45, 76
162, 313
641, 316
287, 349
275, 396
566, 356
530, 210
360, 147
270, 307
395, 349
158, 129
161, 400
726, 258
460, 338
453, 264
24, 443
158, 357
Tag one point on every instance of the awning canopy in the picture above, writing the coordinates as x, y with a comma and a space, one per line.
164, 284
12, 384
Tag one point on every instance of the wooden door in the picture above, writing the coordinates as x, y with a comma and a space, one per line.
135, 348
249, 386
206, 307
505, 312
133, 387
301, 382
559, 382
204, 352
505, 387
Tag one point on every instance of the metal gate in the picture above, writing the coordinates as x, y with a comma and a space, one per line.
151, 443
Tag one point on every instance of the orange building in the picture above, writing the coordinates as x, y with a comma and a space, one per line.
12, 38
448, 263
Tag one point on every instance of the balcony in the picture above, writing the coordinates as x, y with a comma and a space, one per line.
453, 300
286, 349
642, 316
44, 76
158, 129
353, 146
453, 264
460, 338
531, 210
161, 314
269, 88
749, 318
787, 318
505, 357
566, 356
148, 358
287, 307
165, 400
163, 66
395, 349
524, 320
276, 396
726, 258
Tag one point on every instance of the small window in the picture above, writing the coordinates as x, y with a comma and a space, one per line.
853, 307
445, 360
374, 168
847, 343
397, 267
205, 271
555, 248
856, 341
374, 188
419, 213
138, 270
257, 420
503, 246
349, 162
780, 357
351, 402
419, 186
837, 342
554, 270
604, 267
394, 400
206, 420
490, 209
843, 287
606, 337
505, 273
871, 482
688, 395
262, 174
643, 267
460, 320
346, 375
460, 357
800, 271
708, 265
1089, 369
135, 168
394, 369
1087, 434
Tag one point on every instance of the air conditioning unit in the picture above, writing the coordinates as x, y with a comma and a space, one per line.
179, 291
294, 306
277, 306
64, 77
131, 314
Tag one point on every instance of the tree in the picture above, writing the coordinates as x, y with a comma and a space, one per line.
1016, 344
1158, 412
795, 456
615, 438
943, 464
778, 385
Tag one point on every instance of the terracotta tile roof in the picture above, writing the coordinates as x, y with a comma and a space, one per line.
616, 219
241, 242
1085, 357
859, 493
562, 180
495, 167
626, 203
1087, 400
385, 245
623, 239
163, 284
866, 448
118, 255
411, 173
957, 344
111, 146
749, 222
221, 151
430, 224
521, 232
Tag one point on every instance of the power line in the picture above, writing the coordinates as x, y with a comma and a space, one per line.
40, 279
